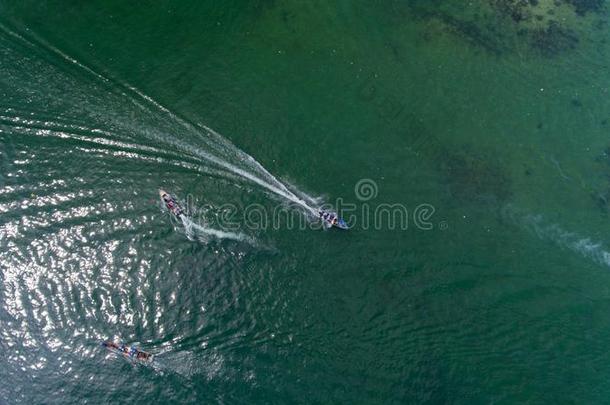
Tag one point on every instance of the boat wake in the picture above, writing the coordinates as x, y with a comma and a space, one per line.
204, 234
584, 246
129, 121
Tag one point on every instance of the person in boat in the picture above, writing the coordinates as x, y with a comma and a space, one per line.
142, 355
329, 217
110, 345
127, 351
167, 199
171, 205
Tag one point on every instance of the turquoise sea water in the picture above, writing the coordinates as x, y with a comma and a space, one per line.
494, 113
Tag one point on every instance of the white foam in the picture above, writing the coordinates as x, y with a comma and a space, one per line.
218, 150
202, 233
585, 246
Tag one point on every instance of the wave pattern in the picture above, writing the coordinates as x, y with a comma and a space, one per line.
85, 252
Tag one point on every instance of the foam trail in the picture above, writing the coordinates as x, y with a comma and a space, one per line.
112, 147
202, 233
274, 185
52, 48
253, 170
568, 240
278, 187
305, 198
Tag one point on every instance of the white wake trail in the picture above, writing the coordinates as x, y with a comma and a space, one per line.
222, 146
585, 246
203, 234
220, 152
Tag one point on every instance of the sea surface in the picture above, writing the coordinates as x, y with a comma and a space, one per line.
466, 142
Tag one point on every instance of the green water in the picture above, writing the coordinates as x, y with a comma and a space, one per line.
494, 114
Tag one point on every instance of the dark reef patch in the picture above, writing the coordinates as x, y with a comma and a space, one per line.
553, 40
548, 28
471, 177
517, 10
476, 29
585, 6
481, 36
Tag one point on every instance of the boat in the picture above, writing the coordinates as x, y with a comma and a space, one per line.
331, 219
131, 353
171, 203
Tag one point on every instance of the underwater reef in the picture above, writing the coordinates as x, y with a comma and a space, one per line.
470, 176
552, 40
584, 6
548, 28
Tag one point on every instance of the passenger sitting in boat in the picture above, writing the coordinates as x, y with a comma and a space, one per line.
143, 356
111, 345
329, 217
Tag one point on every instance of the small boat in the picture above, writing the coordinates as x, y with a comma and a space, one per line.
131, 353
171, 203
331, 219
